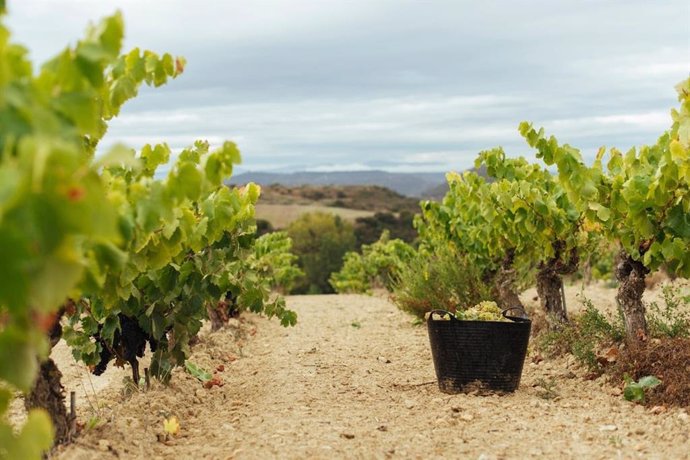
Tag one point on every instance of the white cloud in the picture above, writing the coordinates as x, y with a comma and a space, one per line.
390, 84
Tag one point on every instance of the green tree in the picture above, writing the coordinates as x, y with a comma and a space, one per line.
320, 240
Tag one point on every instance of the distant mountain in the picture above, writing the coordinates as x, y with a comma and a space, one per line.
408, 184
439, 191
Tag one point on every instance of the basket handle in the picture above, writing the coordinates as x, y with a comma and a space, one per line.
438, 311
523, 318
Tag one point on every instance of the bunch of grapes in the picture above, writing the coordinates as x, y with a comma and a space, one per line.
483, 311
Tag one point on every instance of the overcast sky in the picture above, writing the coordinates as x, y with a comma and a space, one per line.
395, 85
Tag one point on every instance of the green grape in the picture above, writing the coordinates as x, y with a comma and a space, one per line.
483, 311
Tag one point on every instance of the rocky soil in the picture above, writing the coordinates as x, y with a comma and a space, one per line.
355, 379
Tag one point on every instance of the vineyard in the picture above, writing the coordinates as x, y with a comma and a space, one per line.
146, 260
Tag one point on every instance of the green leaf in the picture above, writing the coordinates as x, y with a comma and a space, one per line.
633, 392
34, 439
18, 358
197, 372
649, 381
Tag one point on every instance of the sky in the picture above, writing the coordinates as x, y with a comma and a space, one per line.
402, 86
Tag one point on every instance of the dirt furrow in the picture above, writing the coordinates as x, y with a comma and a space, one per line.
355, 379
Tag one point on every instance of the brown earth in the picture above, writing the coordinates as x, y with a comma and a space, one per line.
355, 379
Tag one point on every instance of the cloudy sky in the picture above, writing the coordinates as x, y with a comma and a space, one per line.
395, 85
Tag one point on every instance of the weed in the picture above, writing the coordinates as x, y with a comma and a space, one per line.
356, 324
672, 319
93, 423
634, 391
547, 388
583, 337
616, 441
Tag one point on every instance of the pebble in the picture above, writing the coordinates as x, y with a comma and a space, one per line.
683, 416
104, 445
409, 403
608, 428
384, 360
467, 417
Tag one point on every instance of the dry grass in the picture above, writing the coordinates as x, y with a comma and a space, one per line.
281, 215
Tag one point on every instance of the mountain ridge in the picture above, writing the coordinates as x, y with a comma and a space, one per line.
408, 184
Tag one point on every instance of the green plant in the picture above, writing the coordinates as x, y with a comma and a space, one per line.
635, 391
320, 241
443, 280
400, 226
274, 261
105, 240
197, 372
548, 389
376, 266
469, 221
672, 319
587, 334
640, 199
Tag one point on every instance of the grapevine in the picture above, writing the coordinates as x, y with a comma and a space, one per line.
128, 258
640, 199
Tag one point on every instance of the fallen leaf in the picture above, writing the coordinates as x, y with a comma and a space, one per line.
171, 426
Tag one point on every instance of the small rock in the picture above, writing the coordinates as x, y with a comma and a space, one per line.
384, 360
616, 391
347, 435
409, 403
683, 416
608, 428
103, 445
467, 417
569, 375
382, 428
441, 421
639, 431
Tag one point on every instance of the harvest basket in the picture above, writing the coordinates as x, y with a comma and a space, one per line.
478, 355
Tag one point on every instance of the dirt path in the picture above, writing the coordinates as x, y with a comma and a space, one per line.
355, 380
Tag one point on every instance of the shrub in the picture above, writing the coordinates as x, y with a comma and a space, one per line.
320, 241
672, 319
376, 266
442, 280
369, 229
274, 261
584, 336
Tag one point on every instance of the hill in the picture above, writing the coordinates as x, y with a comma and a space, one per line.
408, 184
362, 197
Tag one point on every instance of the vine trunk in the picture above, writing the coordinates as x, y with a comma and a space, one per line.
631, 274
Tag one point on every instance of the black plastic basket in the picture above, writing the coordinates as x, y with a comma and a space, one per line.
478, 355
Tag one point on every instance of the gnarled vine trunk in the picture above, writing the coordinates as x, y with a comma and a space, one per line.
550, 287
505, 291
49, 394
631, 275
